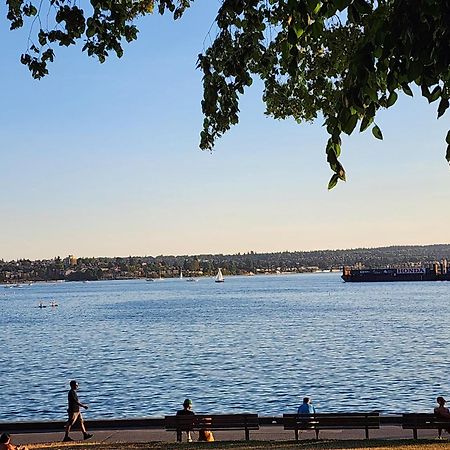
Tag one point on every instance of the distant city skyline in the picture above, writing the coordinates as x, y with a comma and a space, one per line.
103, 160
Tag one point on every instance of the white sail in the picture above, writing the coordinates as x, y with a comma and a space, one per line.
181, 274
219, 277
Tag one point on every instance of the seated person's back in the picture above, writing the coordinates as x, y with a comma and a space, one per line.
306, 407
441, 410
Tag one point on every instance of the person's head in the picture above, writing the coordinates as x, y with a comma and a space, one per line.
5, 438
441, 401
74, 384
306, 400
187, 404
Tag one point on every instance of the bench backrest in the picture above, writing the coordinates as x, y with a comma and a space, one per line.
423, 420
212, 422
331, 420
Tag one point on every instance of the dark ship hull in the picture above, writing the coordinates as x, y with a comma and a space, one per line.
401, 274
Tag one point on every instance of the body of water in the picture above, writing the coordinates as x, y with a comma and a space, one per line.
251, 344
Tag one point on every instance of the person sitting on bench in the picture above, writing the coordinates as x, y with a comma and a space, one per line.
187, 411
306, 407
442, 411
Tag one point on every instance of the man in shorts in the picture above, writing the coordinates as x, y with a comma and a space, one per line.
74, 412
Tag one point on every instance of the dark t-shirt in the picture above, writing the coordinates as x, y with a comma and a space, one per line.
72, 397
185, 412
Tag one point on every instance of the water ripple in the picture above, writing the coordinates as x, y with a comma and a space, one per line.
255, 344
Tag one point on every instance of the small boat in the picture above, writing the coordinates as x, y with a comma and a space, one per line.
191, 279
149, 279
219, 277
41, 305
181, 274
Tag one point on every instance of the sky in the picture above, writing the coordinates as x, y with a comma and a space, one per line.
103, 160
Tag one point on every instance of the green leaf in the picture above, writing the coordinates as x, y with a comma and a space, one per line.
365, 123
350, 124
443, 105
435, 94
377, 132
447, 139
425, 92
337, 150
298, 30
333, 181
392, 99
407, 90
447, 156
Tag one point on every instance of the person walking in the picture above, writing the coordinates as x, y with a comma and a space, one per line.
75, 413
186, 411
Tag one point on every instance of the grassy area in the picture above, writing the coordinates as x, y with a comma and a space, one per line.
372, 444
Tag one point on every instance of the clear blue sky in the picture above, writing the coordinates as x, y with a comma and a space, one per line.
103, 160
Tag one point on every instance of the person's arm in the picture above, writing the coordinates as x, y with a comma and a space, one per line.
74, 399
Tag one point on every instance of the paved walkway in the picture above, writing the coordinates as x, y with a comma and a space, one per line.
265, 433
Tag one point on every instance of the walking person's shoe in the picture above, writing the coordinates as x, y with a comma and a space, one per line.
67, 439
87, 436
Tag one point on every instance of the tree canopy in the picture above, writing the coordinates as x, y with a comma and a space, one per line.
340, 60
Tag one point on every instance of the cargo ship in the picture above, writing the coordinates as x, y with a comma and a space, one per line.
437, 272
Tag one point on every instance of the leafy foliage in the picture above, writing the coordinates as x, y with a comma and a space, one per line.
340, 60
102, 27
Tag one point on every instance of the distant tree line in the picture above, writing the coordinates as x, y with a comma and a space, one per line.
83, 269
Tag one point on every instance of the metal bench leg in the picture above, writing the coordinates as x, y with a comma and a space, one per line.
179, 436
317, 434
296, 434
247, 434
367, 433
415, 433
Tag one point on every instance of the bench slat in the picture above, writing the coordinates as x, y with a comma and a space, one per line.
424, 421
317, 422
212, 422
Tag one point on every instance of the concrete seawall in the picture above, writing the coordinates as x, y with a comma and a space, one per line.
152, 429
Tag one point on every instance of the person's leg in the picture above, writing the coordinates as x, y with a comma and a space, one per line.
86, 435
82, 427
73, 416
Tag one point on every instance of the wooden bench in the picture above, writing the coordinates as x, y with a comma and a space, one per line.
213, 422
424, 421
332, 421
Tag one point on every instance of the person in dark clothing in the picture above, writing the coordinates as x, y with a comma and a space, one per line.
75, 413
187, 411
443, 412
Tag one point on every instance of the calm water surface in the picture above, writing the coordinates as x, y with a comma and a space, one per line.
255, 344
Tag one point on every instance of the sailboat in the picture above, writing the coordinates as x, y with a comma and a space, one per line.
181, 274
219, 277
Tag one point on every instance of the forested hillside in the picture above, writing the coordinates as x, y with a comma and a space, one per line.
77, 269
